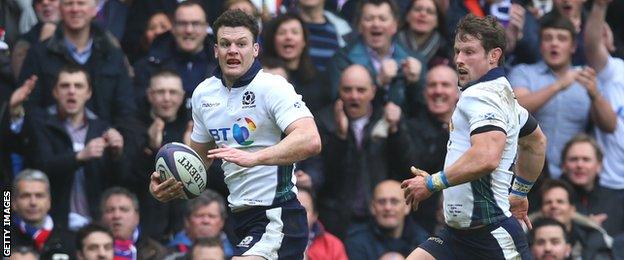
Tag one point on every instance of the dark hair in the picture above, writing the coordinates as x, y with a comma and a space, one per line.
87, 230
440, 17
394, 8
486, 29
190, 3
555, 20
543, 222
306, 67
71, 69
205, 199
582, 138
236, 18
551, 184
207, 242
116, 190
24, 250
229, 3
165, 72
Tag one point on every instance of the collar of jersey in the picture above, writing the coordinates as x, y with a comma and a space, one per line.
490, 75
243, 80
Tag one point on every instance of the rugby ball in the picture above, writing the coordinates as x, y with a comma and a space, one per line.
178, 161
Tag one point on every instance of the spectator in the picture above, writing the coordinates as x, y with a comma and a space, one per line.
391, 229
611, 80
48, 14
354, 160
321, 244
208, 249
327, 31
81, 154
275, 66
549, 240
581, 164
78, 41
120, 213
93, 242
574, 11
187, 50
286, 39
23, 253
246, 6
396, 71
32, 226
204, 217
588, 240
392, 256
424, 32
562, 98
157, 24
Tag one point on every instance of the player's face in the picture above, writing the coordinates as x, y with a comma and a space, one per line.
77, 14
471, 59
236, 50
423, 17
569, 8
550, 244
189, 28
378, 26
32, 201
120, 216
208, 253
555, 204
441, 93
306, 201
289, 40
581, 164
166, 94
356, 91
205, 222
96, 246
557, 47
48, 10
72, 92
388, 206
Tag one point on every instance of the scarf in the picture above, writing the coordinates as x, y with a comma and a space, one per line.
125, 249
39, 234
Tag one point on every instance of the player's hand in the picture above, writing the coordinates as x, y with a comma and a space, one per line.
519, 207
387, 71
233, 155
341, 119
415, 189
303, 179
587, 79
165, 191
114, 142
392, 115
93, 149
155, 133
186, 138
411, 69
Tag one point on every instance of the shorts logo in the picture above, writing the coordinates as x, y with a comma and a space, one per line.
249, 99
245, 242
241, 133
436, 240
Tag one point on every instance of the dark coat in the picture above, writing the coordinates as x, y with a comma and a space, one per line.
369, 242
60, 241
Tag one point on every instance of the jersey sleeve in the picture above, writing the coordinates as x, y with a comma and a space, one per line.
285, 104
200, 133
527, 121
483, 112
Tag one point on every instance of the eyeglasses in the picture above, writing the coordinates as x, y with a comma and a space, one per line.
419, 9
196, 25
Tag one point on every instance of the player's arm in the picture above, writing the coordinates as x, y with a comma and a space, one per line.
595, 51
302, 141
531, 151
202, 150
480, 159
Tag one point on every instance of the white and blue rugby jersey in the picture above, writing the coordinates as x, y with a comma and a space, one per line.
486, 105
250, 116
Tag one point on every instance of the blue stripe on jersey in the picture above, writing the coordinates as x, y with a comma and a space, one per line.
323, 43
485, 210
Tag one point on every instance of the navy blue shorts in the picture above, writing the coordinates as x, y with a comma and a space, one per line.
502, 240
273, 232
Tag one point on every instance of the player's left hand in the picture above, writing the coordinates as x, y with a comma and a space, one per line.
519, 207
415, 189
233, 155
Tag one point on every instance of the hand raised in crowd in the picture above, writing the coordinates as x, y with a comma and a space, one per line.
392, 115
114, 142
415, 189
388, 70
303, 179
155, 133
20, 95
167, 190
411, 69
186, 138
93, 150
519, 207
517, 15
567, 79
47, 30
587, 79
341, 119
598, 218
602, 2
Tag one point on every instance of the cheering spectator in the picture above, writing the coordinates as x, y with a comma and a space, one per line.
157, 24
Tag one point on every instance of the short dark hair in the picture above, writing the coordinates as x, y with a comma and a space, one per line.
555, 20
582, 138
88, 230
543, 222
205, 199
229, 3
25, 250
116, 190
71, 69
486, 29
236, 18
394, 8
208, 242
165, 72
190, 3
551, 184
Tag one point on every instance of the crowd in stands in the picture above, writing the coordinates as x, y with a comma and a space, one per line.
91, 89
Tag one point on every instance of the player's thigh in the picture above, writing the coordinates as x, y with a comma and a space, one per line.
420, 254
248, 257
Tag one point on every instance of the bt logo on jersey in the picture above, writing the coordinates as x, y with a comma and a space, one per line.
240, 131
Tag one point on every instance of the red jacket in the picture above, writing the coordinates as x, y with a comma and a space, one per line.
325, 245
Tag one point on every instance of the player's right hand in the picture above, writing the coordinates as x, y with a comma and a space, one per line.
415, 189
165, 191
519, 207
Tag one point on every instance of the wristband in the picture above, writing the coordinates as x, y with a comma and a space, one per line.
521, 187
437, 182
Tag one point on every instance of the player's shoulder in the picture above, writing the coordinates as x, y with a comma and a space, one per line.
269, 81
206, 86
